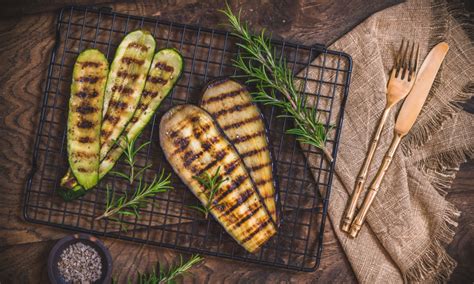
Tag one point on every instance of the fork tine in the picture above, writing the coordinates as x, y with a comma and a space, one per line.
410, 62
397, 60
404, 60
417, 58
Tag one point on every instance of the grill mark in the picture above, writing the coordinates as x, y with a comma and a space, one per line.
241, 123
86, 124
164, 66
190, 157
86, 139
223, 96
219, 157
138, 46
157, 80
232, 109
253, 152
105, 133
83, 155
142, 106
84, 170
149, 94
118, 105
130, 60
112, 119
88, 79
122, 90
173, 134
90, 64
134, 119
262, 182
230, 167
247, 217
244, 138
125, 74
85, 94
243, 197
234, 184
181, 144
86, 109
217, 82
203, 129
258, 229
261, 166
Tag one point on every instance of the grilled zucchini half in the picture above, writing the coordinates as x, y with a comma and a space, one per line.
231, 106
165, 70
85, 115
125, 83
193, 144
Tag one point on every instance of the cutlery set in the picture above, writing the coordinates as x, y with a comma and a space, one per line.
406, 80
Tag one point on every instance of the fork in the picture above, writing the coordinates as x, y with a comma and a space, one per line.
399, 85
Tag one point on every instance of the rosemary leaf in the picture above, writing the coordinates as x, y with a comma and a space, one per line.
258, 60
212, 184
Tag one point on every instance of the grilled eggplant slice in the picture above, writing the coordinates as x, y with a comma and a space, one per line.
125, 84
85, 115
194, 144
230, 104
165, 71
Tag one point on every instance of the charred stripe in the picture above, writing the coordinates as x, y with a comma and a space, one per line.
86, 139
262, 181
138, 46
130, 60
157, 80
256, 230
84, 170
232, 109
253, 152
90, 64
235, 184
122, 89
241, 123
230, 167
247, 217
152, 94
223, 96
86, 109
240, 139
125, 74
243, 197
219, 157
86, 124
190, 157
118, 105
164, 67
111, 118
88, 79
261, 166
85, 94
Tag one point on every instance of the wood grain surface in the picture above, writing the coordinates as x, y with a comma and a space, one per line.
27, 36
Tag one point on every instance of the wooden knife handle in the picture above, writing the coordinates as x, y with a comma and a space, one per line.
374, 187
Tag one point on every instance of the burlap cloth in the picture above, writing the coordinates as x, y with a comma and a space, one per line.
410, 221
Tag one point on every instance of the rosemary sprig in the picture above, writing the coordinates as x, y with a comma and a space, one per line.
212, 184
124, 205
130, 152
271, 75
171, 274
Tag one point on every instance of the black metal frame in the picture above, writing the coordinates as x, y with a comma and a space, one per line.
168, 222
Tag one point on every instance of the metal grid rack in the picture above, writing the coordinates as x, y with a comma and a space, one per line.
168, 221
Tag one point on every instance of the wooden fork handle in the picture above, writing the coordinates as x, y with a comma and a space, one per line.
374, 187
360, 182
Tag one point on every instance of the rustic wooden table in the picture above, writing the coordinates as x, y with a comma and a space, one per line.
27, 36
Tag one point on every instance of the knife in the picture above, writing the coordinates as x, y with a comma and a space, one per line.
410, 110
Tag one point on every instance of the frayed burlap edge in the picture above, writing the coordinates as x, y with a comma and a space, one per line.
457, 11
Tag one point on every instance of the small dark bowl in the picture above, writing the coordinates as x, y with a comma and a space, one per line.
53, 271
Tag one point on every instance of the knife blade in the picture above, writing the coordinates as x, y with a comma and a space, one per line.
415, 100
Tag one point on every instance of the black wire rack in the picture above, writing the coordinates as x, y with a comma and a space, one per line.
168, 221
